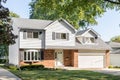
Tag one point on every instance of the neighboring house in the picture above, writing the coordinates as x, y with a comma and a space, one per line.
57, 44
115, 53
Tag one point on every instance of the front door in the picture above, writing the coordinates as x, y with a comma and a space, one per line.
58, 57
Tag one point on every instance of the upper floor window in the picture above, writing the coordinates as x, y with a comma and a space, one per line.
60, 36
31, 34
88, 40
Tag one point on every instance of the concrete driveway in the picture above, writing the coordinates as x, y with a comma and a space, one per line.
6, 75
109, 71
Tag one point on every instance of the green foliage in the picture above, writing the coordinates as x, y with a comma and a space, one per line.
111, 66
12, 14
32, 67
116, 39
6, 35
12, 67
77, 12
2, 61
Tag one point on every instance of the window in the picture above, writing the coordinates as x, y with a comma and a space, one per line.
61, 36
32, 55
88, 40
35, 34
30, 34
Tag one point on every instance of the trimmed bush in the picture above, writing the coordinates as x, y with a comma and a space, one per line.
32, 67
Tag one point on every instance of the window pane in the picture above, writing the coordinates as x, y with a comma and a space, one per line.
35, 34
36, 55
57, 35
29, 34
92, 40
28, 55
24, 55
63, 35
32, 55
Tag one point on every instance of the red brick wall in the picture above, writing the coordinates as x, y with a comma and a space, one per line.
67, 58
107, 58
74, 58
48, 61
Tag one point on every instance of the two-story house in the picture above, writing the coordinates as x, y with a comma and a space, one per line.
57, 44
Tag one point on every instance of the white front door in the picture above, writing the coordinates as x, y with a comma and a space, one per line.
58, 57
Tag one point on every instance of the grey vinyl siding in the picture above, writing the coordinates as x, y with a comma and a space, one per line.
59, 28
14, 49
32, 42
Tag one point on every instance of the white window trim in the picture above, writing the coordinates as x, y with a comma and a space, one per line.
32, 35
60, 36
38, 52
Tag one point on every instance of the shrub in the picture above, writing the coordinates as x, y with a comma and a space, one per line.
32, 67
10, 66
2, 60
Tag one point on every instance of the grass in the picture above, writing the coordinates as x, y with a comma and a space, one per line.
52, 74
63, 75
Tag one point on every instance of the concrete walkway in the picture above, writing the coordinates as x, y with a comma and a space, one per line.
109, 71
6, 75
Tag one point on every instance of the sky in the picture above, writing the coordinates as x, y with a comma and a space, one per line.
108, 25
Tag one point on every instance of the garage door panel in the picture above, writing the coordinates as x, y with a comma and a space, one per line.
91, 61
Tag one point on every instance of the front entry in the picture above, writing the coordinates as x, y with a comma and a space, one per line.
58, 58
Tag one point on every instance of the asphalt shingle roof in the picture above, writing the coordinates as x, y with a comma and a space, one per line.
30, 23
114, 44
101, 45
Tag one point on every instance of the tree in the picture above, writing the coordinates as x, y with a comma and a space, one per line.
6, 36
116, 39
77, 12
12, 14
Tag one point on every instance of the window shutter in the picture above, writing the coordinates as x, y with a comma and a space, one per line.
42, 54
53, 35
67, 36
24, 34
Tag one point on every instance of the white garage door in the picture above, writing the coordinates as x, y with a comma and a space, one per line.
90, 61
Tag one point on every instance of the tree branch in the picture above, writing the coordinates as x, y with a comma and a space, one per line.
114, 2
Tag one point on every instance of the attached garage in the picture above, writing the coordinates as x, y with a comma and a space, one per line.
91, 60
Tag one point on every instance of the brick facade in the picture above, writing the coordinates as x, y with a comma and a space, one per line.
48, 61
75, 58
70, 58
67, 58
107, 58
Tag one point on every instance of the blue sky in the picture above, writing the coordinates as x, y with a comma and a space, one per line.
108, 24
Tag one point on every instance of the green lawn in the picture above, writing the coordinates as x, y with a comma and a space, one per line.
63, 75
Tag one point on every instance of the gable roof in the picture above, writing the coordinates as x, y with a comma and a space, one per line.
30, 23
63, 20
24, 23
83, 32
100, 45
